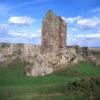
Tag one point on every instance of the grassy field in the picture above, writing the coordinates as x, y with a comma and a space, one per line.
14, 85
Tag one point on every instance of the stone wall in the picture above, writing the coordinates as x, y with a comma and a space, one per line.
8, 52
53, 33
21, 51
42, 63
28, 52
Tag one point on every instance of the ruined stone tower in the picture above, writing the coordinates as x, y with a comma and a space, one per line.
53, 33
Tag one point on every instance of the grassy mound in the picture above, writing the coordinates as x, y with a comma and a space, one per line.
80, 81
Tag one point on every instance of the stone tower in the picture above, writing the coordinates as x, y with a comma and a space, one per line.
53, 33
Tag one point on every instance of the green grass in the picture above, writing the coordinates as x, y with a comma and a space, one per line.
14, 85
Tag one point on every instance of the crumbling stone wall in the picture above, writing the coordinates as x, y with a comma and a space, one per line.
53, 33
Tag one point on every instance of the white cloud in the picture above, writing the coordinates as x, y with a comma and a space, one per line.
90, 22
38, 31
87, 22
36, 35
21, 20
90, 40
28, 34
64, 18
73, 30
73, 19
17, 34
89, 36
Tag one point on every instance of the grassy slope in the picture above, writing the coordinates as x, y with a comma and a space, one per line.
16, 86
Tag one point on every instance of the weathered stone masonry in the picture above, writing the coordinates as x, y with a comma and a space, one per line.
53, 33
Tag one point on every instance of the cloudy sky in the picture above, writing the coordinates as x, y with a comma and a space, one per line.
20, 20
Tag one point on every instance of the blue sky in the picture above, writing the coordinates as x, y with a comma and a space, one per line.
20, 20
